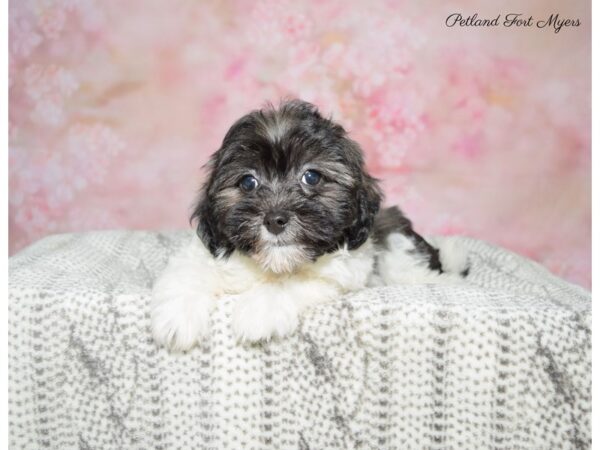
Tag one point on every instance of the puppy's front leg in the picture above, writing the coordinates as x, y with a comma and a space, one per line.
273, 309
183, 297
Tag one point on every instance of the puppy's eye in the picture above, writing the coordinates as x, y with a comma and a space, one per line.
311, 177
248, 183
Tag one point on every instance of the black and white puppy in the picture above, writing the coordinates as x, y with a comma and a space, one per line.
288, 218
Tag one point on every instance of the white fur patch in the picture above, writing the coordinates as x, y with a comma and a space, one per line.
182, 299
276, 252
453, 255
264, 312
272, 309
275, 286
401, 264
280, 258
350, 270
269, 304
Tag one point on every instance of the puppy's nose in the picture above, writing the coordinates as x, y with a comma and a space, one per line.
275, 221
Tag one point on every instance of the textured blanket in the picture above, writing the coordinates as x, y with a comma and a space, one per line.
501, 361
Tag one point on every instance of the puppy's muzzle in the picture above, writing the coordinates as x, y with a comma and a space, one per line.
276, 221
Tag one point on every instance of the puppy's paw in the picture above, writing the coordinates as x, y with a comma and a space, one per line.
179, 322
263, 313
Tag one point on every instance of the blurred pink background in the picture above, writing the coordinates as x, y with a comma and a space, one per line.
115, 106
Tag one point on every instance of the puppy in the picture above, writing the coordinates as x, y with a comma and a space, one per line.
287, 219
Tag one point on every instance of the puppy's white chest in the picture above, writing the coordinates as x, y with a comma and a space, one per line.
350, 270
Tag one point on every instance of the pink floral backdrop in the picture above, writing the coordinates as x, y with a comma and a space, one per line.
115, 106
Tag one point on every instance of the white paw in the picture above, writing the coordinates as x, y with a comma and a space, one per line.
264, 312
178, 323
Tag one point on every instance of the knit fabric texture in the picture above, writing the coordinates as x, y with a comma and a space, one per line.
502, 360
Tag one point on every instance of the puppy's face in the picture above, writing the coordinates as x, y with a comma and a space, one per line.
286, 187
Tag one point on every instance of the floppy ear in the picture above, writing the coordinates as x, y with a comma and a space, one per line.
368, 199
205, 224
206, 219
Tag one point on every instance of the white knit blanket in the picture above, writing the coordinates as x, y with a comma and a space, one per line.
502, 361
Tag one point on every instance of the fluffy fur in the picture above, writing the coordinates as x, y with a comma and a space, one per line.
331, 237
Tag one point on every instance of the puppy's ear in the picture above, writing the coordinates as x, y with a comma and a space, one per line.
205, 224
206, 218
368, 198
